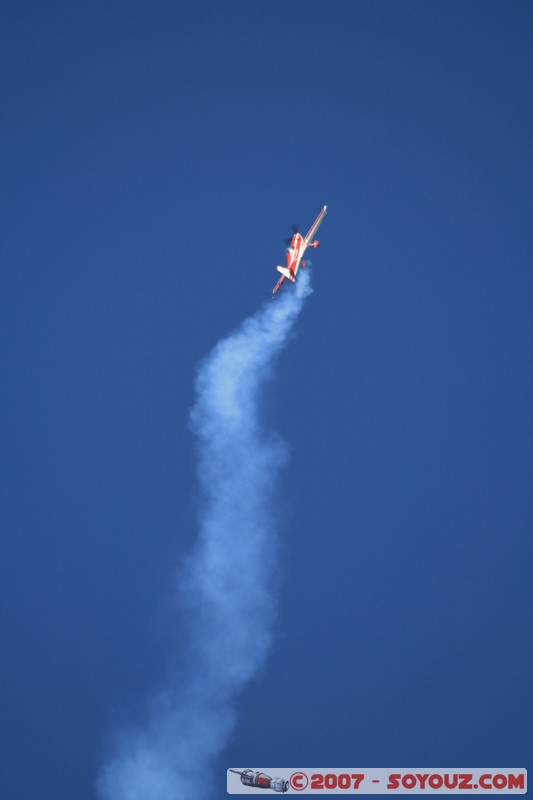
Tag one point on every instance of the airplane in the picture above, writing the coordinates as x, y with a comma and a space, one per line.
295, 251
262, 781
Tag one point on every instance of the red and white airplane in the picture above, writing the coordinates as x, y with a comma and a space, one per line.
295, 251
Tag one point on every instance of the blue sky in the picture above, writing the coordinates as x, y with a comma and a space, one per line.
154, 157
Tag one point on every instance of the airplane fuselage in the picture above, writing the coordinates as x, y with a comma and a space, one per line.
295, 252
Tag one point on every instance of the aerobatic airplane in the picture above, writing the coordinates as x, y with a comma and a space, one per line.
297, 247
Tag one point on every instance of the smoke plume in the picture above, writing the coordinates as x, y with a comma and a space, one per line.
227, 587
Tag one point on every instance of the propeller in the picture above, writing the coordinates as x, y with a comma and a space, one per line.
295, 229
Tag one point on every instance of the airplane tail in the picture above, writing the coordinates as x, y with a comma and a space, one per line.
286, 273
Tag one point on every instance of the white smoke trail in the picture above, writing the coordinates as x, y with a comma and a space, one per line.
228, 586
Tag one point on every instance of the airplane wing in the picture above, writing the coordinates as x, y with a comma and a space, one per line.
278, 284
315, 225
